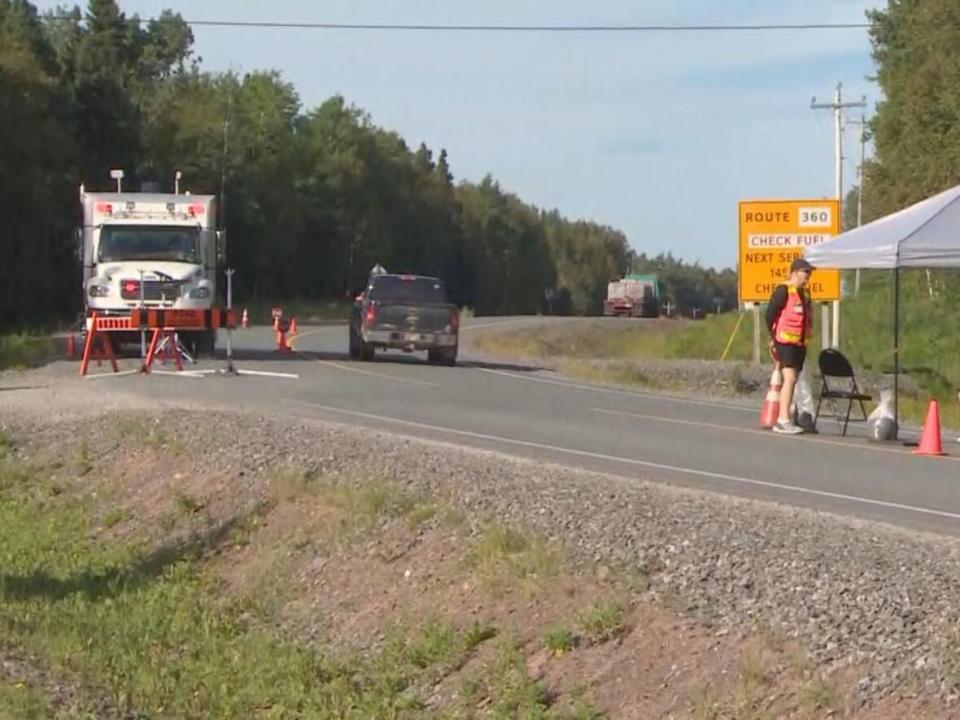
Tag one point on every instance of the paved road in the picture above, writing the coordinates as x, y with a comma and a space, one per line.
534, 414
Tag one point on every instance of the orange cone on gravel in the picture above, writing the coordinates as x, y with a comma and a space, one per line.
293, 326
931, 442
771, 403
245, 320
71, 347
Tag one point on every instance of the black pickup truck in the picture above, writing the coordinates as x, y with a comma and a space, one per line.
405, 312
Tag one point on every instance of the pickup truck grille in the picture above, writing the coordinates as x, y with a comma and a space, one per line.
153, 290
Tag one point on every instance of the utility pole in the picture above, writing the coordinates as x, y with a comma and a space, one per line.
862, 123
837, 106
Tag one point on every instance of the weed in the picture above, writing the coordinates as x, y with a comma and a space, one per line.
290, 482
603, 621
559, 640
822, 695
84, 464
420, 515
186, 504
478, 634
503, 552
115, 517
361, 506
704, 703
6, 444
19, 700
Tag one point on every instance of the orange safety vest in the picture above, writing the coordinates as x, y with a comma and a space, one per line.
794, 323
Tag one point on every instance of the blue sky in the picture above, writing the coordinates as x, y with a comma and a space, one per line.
660, 135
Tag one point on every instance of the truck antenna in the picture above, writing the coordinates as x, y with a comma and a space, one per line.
223, 160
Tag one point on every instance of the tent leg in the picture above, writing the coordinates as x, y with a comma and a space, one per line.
896, 345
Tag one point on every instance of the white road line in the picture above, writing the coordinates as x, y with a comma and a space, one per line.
264, 373
807, 438
385, 376
122, 373
639, 463
613, 391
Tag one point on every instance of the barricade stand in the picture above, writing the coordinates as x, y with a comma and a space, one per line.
100, 329
168, 348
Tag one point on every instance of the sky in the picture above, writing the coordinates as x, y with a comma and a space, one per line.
660, 135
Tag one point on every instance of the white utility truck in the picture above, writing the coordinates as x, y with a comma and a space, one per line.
151, 250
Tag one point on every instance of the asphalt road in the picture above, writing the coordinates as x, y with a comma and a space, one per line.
533, 414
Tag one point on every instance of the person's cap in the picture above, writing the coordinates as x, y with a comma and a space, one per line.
800, 264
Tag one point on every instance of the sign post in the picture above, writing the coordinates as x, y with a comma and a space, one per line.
773, 233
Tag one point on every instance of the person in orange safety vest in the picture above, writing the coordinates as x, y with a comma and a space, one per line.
790, 320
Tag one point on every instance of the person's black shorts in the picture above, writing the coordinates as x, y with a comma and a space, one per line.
791, 356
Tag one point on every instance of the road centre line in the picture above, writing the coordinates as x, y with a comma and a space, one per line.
613, 391
638, 463
385, 376
808, 438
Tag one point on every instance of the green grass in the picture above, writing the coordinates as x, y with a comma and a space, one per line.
603, 621
21, 701
149, 631
502, 554
21, 351
559, 639
507, 692
362, 504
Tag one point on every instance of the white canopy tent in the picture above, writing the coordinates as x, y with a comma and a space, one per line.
925, 235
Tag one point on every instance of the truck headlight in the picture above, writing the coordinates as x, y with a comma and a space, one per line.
200, 293
98, 291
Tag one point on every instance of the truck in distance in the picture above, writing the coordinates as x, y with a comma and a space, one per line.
636, 295
405, 312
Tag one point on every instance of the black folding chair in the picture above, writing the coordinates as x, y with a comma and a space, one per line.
834, 365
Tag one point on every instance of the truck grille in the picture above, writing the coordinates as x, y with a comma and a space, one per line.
153, 290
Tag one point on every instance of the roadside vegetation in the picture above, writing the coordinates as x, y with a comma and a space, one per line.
354, 597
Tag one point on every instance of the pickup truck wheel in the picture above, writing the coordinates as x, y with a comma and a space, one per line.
354, 345
367, 352
439, 357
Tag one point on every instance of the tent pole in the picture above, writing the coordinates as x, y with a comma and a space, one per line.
896, 344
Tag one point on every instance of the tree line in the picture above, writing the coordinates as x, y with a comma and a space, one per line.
313, 197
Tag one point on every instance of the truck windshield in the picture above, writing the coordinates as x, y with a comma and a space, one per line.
399, 289
141, 242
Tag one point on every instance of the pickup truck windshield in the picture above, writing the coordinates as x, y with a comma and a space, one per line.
140, 242
420, 291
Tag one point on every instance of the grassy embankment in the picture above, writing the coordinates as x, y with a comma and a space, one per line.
116, 603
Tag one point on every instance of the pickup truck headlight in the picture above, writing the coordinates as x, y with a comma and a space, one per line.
200, 293
98, 291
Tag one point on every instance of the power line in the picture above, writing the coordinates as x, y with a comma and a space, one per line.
511, 28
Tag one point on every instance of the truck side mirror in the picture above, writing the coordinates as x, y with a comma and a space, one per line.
78, 244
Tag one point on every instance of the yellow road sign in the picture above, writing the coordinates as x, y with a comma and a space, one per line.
775, 232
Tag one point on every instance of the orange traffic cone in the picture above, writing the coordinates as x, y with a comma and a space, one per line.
282, 341
771, 403
245, 320
71, 347
930, 440
293, 326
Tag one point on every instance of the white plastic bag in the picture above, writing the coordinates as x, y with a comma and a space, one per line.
882, 422
802, 406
